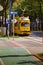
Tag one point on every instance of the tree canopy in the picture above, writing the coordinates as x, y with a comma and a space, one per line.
29, 7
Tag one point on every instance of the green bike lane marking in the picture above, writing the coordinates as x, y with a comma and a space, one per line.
17, 56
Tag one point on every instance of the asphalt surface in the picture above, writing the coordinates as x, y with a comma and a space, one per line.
33, 45
36, 34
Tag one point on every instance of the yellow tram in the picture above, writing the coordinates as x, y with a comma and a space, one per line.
22, 26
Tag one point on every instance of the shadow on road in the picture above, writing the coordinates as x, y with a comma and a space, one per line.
16, 55
29, 62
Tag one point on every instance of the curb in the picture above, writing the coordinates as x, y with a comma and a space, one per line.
41, 59
1, 62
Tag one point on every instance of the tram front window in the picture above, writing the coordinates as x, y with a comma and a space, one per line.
25, 24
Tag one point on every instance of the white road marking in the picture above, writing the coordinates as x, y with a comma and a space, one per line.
33, 39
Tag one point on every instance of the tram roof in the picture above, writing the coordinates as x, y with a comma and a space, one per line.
24, 18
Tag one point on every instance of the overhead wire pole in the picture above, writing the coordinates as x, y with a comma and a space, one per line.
9, 19
10, 14
10, 5
41, 17
13, 16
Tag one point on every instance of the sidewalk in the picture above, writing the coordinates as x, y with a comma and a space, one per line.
17, 55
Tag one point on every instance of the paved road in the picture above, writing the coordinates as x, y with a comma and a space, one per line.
33, 44
36, 34
13, 52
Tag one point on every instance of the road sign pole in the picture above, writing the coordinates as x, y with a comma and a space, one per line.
13, 29
8, 31
13, 25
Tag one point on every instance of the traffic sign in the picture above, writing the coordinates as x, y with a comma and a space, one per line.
8, 22
15, 12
